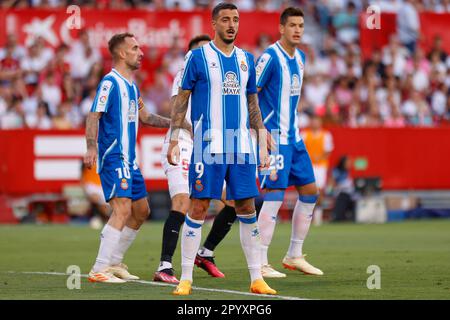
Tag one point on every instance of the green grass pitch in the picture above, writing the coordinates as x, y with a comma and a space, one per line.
414, 259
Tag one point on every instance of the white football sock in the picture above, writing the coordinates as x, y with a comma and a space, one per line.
109, 239
203, 252
267, 221
126, 239
318, 214
190, 242
250, 242
164, 265
301, 220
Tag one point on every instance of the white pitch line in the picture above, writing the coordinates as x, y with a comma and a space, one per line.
162, 284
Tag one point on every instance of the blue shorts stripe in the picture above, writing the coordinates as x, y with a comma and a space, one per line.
191, 224
308, 199
274, 196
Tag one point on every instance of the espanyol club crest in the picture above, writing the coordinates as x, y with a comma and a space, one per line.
273, 175
244, 66
198, 186
124, 184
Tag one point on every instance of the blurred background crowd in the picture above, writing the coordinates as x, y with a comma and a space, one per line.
399, 85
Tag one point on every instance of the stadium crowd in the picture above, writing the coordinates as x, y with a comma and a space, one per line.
400, 85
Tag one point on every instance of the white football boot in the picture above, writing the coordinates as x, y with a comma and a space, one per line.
268, 271
121, 271
302, 265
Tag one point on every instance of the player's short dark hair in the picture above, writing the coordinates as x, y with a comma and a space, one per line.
196, 40
116, 40
290, 12
222, 6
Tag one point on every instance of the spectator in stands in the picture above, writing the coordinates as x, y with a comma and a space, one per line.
41, 119
315, 93
51, 93
264, 40
68, 116
173, 59
82, 56
439, 101
9, 67
388, 6
341, 183
436, 65
159, 93
388, 97
18, 51
346, 24
419, 67
396, 55
58, 66
442, 6
408, 24
13, 118
394, 119
437, 49
185, 5
416, 109
86, 103
333, 65
33, 63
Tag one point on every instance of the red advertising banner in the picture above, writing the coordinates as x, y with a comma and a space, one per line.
431, 25
152, 28
406, 159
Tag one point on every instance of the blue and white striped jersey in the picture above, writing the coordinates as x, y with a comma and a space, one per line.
219, 87
117, 98
280, 78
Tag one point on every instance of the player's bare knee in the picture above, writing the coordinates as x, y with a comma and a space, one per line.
180, 203
198, 209
246, 208
308, 190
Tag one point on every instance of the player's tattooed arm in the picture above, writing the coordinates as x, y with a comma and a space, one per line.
152, 119
254, 113
256, 123
91, 138
178, 114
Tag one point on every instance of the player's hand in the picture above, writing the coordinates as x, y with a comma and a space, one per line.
271, 143
90, 158
173, 153
264, 161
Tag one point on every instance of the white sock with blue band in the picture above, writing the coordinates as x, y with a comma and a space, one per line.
250, 242
190, 243
301, 220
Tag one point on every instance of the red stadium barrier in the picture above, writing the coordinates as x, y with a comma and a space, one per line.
43, 161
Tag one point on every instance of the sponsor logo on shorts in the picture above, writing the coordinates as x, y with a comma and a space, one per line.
124, 184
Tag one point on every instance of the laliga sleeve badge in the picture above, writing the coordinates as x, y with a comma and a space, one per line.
244, 66
124, 184
198, 186
273, 175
